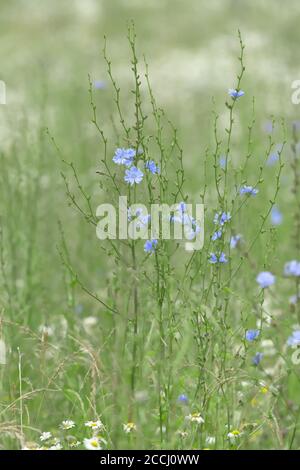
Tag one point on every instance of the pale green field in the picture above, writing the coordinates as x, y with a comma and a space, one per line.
181, 321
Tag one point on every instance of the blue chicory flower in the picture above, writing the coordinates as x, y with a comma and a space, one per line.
248, 190
268, 127
99, 84
124, 156
221, 258
235, 93
294, 299
294, 339
273, 158
139, 216
257, 358
150, 246
221, 218
133, 175
276, 216
265, 279
217, 235
181, 207
251, 335
152, 167
292, 268
183, 398
222, 162
234, 241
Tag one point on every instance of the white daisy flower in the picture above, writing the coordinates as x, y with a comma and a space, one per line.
45, 436
195, 418
129, 427
95, 425
67, 424
92, 444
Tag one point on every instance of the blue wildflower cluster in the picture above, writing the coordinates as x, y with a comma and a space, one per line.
218, 258
251, 336
220, 220
139, 217
133, 175
124, 156
182, 217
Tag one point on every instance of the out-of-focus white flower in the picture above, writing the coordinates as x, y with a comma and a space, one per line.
89, 323
141, 396
245, 384
45, 436
46, 330
268, 348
